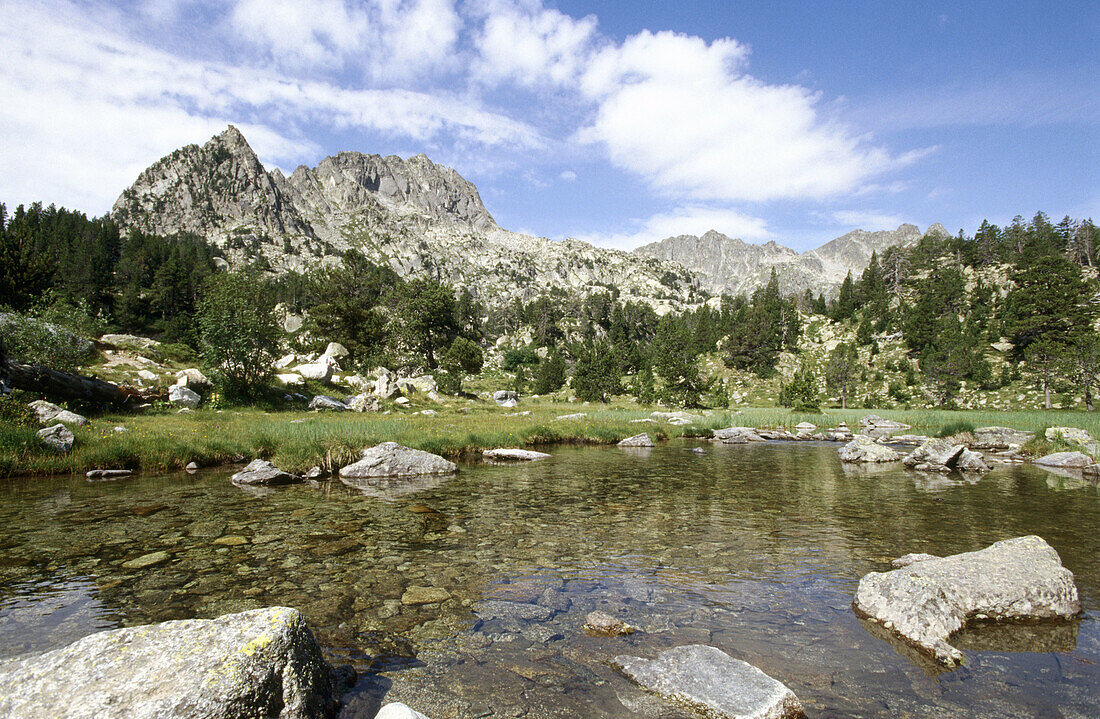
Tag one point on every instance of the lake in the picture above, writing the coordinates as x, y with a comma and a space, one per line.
755, 549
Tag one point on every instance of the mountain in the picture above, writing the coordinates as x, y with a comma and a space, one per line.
420, 218
725, 264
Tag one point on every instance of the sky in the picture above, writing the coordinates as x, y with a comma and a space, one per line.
619, 123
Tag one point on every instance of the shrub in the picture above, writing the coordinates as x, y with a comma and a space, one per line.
240, 336
34, 341
953, 428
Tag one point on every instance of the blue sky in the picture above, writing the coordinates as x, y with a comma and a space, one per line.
614, 122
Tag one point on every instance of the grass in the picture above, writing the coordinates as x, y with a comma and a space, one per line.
296, 441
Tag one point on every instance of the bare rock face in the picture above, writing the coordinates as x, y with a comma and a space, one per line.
390, 459
713, 682
423, 218
929, 599
865, 449
259, 663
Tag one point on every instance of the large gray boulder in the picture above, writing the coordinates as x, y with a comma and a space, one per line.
183, 397
262, 663
57, 437
934, 455
262, 472
970, 461
193, 378
505, 398
1065, 460
999, 438
927, 601
873, 421
638, 440
737, 435
385, 386
390, 459
49, 412
397, 710
864, 449
364, 403
320, 370
713, 682
324, 403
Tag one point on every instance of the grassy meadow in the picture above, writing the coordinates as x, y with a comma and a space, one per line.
163, 440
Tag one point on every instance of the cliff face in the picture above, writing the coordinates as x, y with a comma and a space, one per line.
725, 264
419, 217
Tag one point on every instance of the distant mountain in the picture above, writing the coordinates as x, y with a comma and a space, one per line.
725, 264
420, 218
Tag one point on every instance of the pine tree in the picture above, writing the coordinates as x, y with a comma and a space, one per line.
840, 371
1049, 303
675, 362
550, 374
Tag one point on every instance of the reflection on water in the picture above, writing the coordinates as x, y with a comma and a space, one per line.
755, 549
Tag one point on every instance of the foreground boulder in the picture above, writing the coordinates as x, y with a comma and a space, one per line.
638, 440
364, 403
57, 437
505, 398
513, 455
713, 682
194, 379
928, 600
183, 397
262, 663
49, 412
390, 459
262, 472
969, 461
864, 449
1065, 460
934, 455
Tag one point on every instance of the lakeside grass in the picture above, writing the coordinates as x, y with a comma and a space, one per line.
295, 440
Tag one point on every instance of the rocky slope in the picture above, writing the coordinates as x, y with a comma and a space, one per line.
421, 218
726, 264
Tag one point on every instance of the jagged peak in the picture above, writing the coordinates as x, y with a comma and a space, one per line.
936, 229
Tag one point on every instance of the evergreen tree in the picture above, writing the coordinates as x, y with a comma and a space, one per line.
1046, 360
596, 376
845, 305
550, 374
239, 334
840, 371
675, 362
425, 312
1082, 365
1049, 303
801, 392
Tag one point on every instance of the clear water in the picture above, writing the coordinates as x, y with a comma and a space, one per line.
755, 549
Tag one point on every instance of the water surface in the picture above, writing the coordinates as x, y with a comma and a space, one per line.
755, 549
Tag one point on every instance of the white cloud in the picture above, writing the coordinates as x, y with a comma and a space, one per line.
568, 175
531, 45
88, 109
389, 39
687, 220
870, 221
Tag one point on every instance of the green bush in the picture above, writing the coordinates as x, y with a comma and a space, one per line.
953, 428
523, 356
240, 336
34, 341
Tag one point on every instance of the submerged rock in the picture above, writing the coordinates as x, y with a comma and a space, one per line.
107, 474
709, 680
260, 471
513, 455
638, 440
1064, 460
262, 663
602, 624
57, 437
390, 459
927, 601
865, 449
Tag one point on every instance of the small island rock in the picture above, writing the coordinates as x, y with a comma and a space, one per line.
638, 440
513, 455
262, 472
865, 449
390, 459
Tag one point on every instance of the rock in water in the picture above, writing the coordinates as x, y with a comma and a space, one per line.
737, 435
929, 600
638, 440
1066, 460
1000, 438
865, 449
390, 459
969, 461
263, 663
260, 471
513, 455
936, 455
57, 437
602, 624
712, 681
397, 710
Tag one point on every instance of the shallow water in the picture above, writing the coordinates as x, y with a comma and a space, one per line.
755, 549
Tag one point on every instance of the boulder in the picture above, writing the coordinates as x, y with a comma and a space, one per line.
513, 455
262, 663
321, 370
57, 437
934, 455
48, 412
873, 421
129, 340
193, 379
908, 559
401, 401
1093, 470
928, 601
183, 397
385, 386
805, 427
436, 397
397, 710
285, 361
147, 375
359, 382
999, 438
737, 435
390, 459
638, 440
602, 624
323, 403
364, 403
1069, 435
335, 350
970, 461
260, 471
107, 474
290, 378
1065, 460
505, 398
421, 383
712, 682
865, 449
